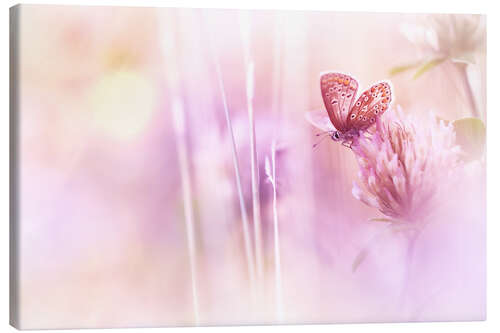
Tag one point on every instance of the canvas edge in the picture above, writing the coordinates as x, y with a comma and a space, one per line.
14, 315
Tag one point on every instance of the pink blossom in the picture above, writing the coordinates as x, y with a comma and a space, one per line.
405, 164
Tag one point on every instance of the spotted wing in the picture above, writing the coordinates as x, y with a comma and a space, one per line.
338, 91
371, 104
320, 119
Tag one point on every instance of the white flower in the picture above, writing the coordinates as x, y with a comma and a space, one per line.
457, 37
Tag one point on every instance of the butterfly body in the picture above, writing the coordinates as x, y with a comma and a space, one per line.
344, 137
345, 118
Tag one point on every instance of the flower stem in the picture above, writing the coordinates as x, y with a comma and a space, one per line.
412, 236
462, 68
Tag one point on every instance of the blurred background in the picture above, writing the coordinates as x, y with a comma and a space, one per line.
129, 209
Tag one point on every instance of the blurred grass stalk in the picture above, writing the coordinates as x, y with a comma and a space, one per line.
280, 313
179, 127
277, 63
244, 215
168, 28
271, 175
254, 164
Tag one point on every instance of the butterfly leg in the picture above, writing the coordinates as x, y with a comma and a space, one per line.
347, 144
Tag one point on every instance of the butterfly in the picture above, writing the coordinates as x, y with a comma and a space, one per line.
345, 119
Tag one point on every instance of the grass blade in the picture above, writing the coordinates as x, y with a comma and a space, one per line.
400, 69
427, 66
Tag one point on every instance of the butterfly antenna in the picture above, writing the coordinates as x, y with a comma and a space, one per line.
320, 140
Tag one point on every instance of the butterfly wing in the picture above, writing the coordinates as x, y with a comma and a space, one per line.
371, 104
338, 91
320, 119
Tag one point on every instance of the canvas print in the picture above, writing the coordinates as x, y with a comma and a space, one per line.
183, 167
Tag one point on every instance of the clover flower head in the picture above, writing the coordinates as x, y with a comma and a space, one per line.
404, 164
